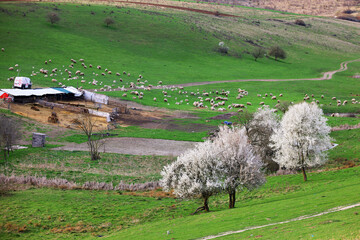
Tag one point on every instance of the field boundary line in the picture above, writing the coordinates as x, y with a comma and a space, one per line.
326, 76
336, 209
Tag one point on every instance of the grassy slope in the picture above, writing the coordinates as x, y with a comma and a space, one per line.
166, 45
293, 91
282, 198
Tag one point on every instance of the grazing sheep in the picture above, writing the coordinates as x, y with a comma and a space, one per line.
333, 98
45, 62
222, 109
266, 94
273, 97
98, 67
82, 74
160, 82
140, 97
280, 95
140, 76
3, 49
81, 60
134, 97
271, 94
53, 80
82, 81
312, 95
11, 68
262, 103
109, 72
322, 96
165, 100
345, 102
129, 74
248, 103
154, 99
317, 101
124, 95
259, 95
120, 80
240, 110
16, 65
103, 74
339, 104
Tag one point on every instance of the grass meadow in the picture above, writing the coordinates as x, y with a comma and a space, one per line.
176, 47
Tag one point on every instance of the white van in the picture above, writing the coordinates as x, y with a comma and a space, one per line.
22, 82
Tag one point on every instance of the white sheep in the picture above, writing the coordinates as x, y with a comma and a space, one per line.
248, 103
11, 68
3, 49
154, 99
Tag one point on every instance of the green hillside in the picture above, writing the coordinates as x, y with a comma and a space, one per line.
165, 45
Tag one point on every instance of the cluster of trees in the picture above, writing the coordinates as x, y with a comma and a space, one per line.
238, 156
53, 17
275, 51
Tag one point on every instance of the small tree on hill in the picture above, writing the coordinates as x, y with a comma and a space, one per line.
258, 53
240, 165
9, 134
53, 17
109, 21
277, 52
302, 139
87, 124
194, 174
261, 128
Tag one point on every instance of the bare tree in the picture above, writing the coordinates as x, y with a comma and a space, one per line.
258, 53
87, 124
9, 134
109, 21
53, 17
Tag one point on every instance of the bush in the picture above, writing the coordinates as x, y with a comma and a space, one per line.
277, 52
258, 53
53, 17
109, 21
222, 48
300, 22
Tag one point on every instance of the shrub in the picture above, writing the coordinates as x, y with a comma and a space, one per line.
300, 22
222, 48
258, 53
109, 21
277, 52
53, 17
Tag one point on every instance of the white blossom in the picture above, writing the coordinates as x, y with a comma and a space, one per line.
303, 138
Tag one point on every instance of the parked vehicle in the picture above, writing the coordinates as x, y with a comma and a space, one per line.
22, 82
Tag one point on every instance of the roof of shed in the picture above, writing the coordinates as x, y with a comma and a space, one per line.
32, 92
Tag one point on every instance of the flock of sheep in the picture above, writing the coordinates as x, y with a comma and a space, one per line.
214, 100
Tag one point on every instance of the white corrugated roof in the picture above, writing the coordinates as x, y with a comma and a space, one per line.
73, 90
31, 92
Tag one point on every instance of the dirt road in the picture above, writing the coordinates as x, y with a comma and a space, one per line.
137, 146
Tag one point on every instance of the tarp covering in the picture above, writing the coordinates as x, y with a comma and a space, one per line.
3, 94
95, 97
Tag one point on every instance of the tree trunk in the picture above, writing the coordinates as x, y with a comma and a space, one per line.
304, 173
206, 204
232, 196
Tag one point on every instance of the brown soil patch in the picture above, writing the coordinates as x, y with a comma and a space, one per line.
66, 118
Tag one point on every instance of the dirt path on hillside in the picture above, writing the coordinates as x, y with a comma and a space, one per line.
326, 76
136, 146
336, 209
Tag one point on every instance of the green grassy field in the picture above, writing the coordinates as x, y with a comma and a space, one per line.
78, 214
176, 47
166, 45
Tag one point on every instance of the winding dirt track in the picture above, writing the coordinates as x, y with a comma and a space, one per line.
336, 209
326, 76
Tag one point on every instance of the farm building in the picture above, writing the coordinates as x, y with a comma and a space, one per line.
51, 94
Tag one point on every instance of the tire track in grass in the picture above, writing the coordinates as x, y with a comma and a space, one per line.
336, 209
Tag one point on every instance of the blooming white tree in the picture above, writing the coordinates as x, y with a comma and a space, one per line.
302, 138
260, 129
240, 166
194, 174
